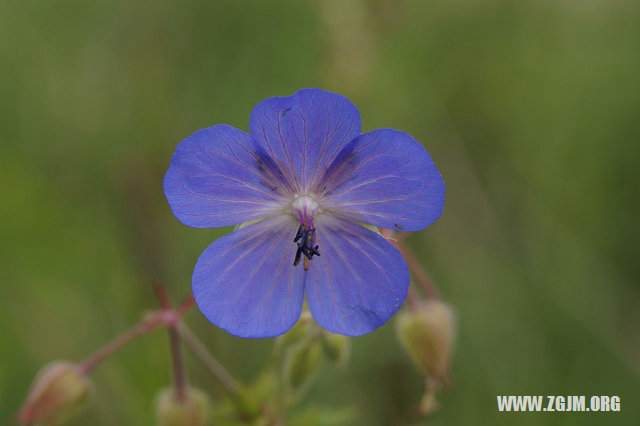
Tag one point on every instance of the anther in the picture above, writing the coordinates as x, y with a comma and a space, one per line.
300, 233
305, 239
297, 259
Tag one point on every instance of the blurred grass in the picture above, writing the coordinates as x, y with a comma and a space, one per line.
529, 109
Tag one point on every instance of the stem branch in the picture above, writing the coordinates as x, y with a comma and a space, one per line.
149, 323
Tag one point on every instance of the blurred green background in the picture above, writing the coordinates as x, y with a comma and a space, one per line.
530, 109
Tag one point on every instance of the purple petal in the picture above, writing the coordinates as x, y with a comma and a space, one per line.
385, 178
305, 132
245, 282
217, 178
359, 281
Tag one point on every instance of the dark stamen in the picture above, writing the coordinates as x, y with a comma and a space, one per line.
297, 259
305, 240
300, 233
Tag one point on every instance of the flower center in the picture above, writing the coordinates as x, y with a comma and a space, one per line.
305, 207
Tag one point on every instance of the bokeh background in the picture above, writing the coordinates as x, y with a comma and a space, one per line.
531, 110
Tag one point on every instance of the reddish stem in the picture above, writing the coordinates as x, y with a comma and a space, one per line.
179, 377
413, 298
149, 323
419, 273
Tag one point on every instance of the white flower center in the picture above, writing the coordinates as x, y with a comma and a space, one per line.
304, 204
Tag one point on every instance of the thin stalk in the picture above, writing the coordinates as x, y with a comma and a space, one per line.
413, 298
216, 369
419, 273
146, 325
179, 376
101, 354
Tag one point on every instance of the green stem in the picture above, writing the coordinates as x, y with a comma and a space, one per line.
216, 369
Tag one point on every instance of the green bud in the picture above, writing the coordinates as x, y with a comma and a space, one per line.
191, 410
427, 334
337, 347
56, 394
301, 363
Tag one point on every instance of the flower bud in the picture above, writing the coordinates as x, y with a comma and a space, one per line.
191, 410
427, 334
302, 362
57, 392
337, 347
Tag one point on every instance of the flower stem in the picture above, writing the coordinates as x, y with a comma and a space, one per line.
419, 273
216, 369
179, 377
149, 323
413, 298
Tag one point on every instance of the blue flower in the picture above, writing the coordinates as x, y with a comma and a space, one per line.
302, 182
